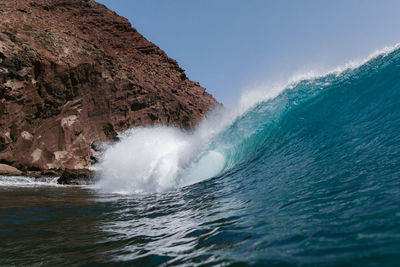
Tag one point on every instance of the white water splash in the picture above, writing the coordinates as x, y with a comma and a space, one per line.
23, 181
156, 159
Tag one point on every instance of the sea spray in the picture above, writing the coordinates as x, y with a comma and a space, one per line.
265, 90
146, 160
160, 158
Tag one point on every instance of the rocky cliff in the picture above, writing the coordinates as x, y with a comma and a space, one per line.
73, 74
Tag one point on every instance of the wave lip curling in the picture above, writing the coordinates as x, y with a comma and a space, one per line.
157, 159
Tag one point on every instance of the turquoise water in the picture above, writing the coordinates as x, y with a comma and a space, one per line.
311, 177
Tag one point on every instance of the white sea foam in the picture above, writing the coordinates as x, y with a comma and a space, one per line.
155, 159
23, 181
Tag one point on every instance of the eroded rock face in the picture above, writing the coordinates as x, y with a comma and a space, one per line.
73, 73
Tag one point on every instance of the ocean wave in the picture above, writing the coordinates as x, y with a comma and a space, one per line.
157, 159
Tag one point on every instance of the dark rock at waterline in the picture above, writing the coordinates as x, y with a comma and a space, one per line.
73, 74
76, 177
44, 173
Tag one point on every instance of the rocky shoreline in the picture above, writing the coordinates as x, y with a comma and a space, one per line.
73, 75
66, 176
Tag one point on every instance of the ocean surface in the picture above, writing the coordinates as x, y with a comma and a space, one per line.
309, 176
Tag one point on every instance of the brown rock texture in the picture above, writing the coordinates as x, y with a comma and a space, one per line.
73, 74
9, 170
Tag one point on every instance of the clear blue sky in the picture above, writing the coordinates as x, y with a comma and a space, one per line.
230, 45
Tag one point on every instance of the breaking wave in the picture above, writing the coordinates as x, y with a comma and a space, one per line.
347, 111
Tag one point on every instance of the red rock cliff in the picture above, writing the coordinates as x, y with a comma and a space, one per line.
73, 73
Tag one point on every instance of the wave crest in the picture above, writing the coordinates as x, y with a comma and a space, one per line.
156, 159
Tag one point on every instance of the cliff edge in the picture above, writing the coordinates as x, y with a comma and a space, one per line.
73, 74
